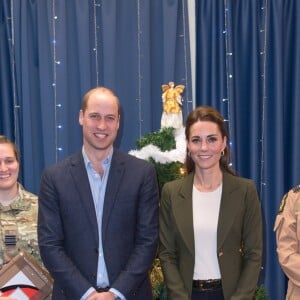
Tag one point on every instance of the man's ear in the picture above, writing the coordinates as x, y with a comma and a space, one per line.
80, 117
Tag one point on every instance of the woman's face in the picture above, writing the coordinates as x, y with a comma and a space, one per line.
9, 167
205, 145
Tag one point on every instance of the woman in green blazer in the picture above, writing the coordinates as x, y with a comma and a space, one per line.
210, 220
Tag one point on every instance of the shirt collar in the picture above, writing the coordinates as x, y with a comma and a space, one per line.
105, 162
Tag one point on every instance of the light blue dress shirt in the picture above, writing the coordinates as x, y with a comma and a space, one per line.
98, 187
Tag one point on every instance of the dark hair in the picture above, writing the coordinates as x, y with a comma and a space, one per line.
207, 113
98, 89
5, 140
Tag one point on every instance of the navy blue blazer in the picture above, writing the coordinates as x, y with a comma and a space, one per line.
68, 232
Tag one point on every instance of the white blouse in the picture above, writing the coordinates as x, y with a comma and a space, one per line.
206, 207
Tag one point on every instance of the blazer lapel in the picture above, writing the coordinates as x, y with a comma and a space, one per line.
183, 212
228, 207
113, 182
81, 183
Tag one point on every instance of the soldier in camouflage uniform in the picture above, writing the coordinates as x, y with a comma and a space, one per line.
287, 228
18, 209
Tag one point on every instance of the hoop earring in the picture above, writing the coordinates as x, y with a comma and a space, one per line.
222, 153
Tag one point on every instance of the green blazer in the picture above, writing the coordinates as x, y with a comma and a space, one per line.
239, 238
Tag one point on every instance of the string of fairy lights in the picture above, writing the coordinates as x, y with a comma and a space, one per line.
229, 75
229, 69
263, 36
12, 61
55, 64
139, 78
96, 6
188, 100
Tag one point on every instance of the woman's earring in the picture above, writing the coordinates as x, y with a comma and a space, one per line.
222, 153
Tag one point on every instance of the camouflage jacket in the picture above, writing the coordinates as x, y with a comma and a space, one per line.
18, 231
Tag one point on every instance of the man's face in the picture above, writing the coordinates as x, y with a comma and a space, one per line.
100, 122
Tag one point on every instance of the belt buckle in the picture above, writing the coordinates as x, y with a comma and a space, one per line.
102, 289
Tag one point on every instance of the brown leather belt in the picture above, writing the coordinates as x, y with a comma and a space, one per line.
210, 284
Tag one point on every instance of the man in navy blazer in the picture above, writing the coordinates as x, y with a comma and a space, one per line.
98, 213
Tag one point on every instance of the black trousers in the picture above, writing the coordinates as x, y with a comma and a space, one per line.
211, 294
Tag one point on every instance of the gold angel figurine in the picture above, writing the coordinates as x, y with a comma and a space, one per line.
172, 101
